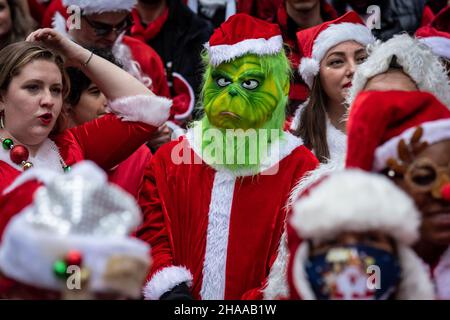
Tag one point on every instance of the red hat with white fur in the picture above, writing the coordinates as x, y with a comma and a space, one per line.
437, 35
243, 34
316, 41
380, 119
329, 208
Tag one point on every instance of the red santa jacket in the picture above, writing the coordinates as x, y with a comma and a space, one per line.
212, 229
107, 141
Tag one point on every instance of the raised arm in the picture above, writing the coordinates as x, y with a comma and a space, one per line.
111, 80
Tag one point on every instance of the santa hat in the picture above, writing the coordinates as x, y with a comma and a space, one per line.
380, 119
100, 6
242, 34
417, 61
76, 219
437, 35
57, 14
316, 41
330, 208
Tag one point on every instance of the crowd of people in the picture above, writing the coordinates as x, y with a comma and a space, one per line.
221, 149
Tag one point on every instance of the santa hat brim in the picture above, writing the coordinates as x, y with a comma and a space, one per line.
224, 53
100, 6
344, 208
415, 283
439, 45
327, 39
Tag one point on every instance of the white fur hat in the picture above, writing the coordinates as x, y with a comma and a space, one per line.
100, 6
316, 41
416, 60
77, 212
357, 201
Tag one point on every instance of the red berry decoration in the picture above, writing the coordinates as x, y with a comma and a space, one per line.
445, 192
19, 154
74, 258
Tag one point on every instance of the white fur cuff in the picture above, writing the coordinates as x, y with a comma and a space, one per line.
165, 280
152, 110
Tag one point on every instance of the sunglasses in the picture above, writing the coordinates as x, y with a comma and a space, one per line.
104, 29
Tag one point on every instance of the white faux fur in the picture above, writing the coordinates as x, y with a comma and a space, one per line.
433, 131
328, 38
415, 283
165, 280
85, 168
275, 153
225, 53
277, 286
152, 110
59, 23
308, 69
417, 61
298, 115
214, 265
382, 206
123, 54
439, 45
46, 157
100, 6
313, 176
441, 275
188, 112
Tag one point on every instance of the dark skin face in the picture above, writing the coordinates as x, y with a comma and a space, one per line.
435, 228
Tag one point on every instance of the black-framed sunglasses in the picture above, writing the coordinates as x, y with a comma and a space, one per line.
104, 29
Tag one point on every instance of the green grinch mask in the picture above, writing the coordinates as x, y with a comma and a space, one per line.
245, 92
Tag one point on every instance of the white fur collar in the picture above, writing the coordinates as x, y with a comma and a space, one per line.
275, 153
46, 157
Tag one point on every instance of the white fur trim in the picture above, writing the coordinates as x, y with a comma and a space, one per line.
165, 280
308, 69
415, 283
433, 131
152, 110
225, 53
439, 45
417, 61
300, 279
314, 176
27, 253
100, 6
45, 158
123, 54
441, 276
177, 131
344, 207
298, 115
328, 38
277, 286
214, 265
59, 23
276, 152
188, 112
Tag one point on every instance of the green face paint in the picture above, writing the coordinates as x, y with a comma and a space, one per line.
241, 94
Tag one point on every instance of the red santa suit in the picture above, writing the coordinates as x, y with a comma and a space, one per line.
210, 227
88, 140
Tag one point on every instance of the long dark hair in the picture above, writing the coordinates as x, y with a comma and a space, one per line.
22, 24
312, 127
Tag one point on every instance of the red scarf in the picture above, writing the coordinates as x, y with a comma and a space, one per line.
152, 30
